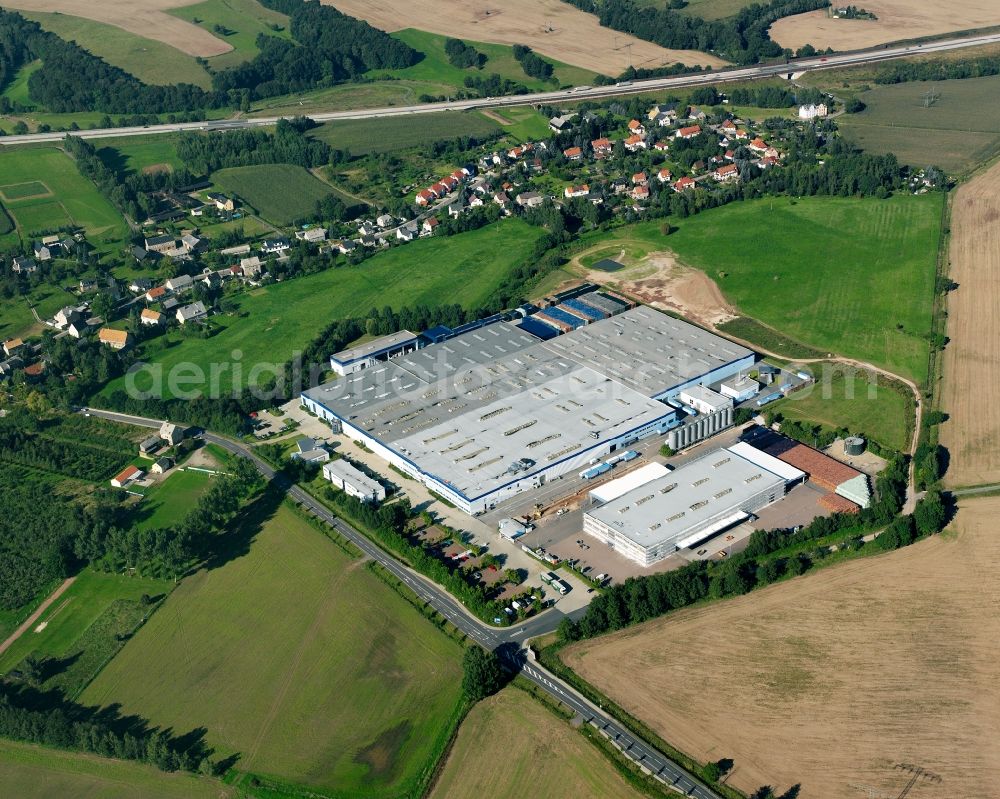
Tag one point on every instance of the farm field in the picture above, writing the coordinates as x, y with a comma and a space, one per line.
463, 269
140, 17
364, 136
510, 745
960, 129
553, 28
68, 198
897, 19
35, 772
862, 405
972, 433
244, 21
831, 679
866, 296
170, 500
337, 684
149, 60
281, 193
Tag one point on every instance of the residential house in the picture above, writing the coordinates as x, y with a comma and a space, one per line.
42, 252
694, 114
194, 312
179, 283
240, 249
66, 316
252, 267
407, 231
346, 246
640, 193
425, 197
636, 142
169, 304
457, 207
276, 246
573, 153
727, 174
661, 146
116, 339
689, 132
450, 183
313, 235
619, 185
162, 465
813, 111
664, 176
127, 475
741, 134
150, 318
639, 179
559, 123
156, 294
602, 147
8, 366
222, 202
728, 127
428, 226
385, 221
530, 199
501, 199
476, 201
23, 265
140, 254
758, 145
684, 183
635, 127
310, 451
171, 433
78, 329
12, 345
140, 285
576, 191
149, 445
87, 284
211, 279
439, 189
160, 244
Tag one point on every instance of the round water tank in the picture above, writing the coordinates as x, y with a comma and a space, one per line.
854, 445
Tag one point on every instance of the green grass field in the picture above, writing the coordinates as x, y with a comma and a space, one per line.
17, 90
169, 501
364, 136
853, 277
16, 319
297, 657
74, 199
526, 124
244, 20
862, 403
281, 193
137, 154
69, 616
35, 772
281, 319
23, 191
150, 61
953, 124
706, 9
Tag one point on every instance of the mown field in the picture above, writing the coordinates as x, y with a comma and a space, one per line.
274, 322
70, 199
953, 124
149, 60
364, 136
853, 277
294, 655
509, 745
152, 153
170, 500
830, 680
35, 772
281, 193
241, 22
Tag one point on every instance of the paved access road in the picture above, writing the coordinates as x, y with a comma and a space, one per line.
578, 93
508, 642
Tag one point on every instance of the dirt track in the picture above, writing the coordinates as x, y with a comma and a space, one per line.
897, 19
141, 17
552, 27
28, 622
972, 357
831, 679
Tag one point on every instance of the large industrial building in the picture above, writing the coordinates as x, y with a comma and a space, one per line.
681, 509
483, 415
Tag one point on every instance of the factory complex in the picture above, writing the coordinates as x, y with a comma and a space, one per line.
503, 407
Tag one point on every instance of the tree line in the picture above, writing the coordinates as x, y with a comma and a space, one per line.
463, 55
206, 153
534, 66
905, 71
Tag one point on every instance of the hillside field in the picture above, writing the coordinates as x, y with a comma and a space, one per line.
854, 277
294, 655
281, 193
274, 322
388, 134
35, 772
242, 21
953, 124
509, 745
831, 679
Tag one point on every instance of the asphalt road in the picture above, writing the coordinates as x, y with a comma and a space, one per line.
798, 65
508, 642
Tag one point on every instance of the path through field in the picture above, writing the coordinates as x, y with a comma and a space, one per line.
27, 624
831, 679
972, 357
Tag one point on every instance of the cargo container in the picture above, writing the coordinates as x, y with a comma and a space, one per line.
769, 398
594, 471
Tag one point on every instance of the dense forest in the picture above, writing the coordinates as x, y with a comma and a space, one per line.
742, 38
534, 66
205, 154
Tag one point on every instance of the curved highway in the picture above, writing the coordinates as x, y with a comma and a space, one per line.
810, 64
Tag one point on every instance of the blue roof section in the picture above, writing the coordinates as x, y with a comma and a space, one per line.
537, 328
562, 316
489, 320
438, 333
587, 310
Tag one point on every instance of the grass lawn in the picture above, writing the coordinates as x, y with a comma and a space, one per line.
242, 20
16, 319
281, 193
36, 772
364, 136
275, 321
138, 154
854, 277
170, 500
510, 745
526, 124
959, 129
870, 407
150, 61
294, 655
68, 617
74, 199
17, 90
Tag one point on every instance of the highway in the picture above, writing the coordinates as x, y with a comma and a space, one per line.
798, 65
507, 642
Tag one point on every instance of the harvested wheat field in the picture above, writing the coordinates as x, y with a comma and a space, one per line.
551, 27
897, 19
972, 357
832, 679
141, 17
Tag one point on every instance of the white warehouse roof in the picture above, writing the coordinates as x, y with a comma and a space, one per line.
784, 470
615, 488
